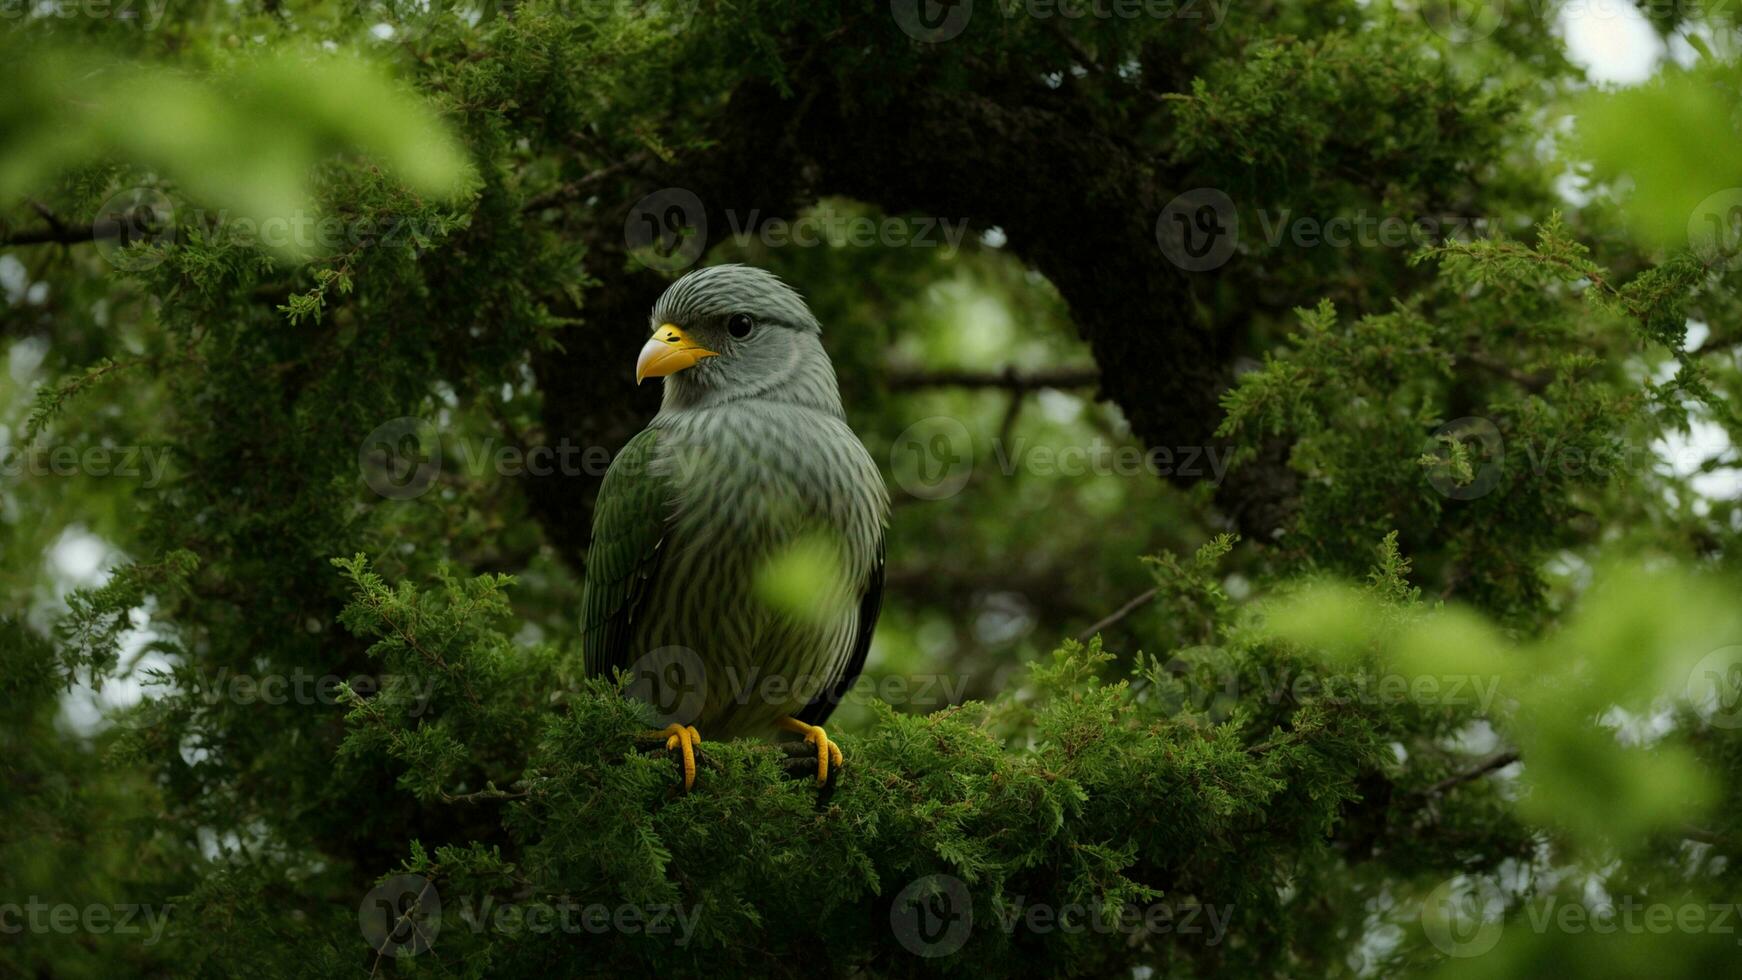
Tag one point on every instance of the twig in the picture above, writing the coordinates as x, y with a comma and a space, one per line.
62, 235
1008, 378
1704, 836
1135, 603
405, 918
1714, 341
1076, 48
1533, 382
434, 659
492, 793
575, 188
1500, 761
48, 214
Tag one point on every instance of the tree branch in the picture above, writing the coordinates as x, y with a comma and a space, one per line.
61, 234
1500, 761
1008, 378
1135, 603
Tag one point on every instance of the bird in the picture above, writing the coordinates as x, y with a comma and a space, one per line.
749, 469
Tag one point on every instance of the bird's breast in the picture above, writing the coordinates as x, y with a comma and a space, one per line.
776, 519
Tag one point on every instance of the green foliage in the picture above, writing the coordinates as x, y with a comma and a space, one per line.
1513, 453
1487, 649
270, 120
1677, 140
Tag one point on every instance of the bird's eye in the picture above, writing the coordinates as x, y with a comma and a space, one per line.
739, 325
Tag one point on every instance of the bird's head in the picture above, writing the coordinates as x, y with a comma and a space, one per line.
732, 331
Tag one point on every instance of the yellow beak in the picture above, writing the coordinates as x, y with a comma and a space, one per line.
668, 352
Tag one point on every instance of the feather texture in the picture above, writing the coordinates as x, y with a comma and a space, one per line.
736, 473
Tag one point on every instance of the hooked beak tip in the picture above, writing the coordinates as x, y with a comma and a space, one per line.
669, 351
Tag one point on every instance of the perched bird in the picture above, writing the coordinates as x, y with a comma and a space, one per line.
749, 463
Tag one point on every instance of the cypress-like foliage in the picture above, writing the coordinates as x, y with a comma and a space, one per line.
1312, 427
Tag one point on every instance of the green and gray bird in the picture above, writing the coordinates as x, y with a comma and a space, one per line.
739, 537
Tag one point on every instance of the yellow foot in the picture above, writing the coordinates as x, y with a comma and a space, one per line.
686, 739
828, 754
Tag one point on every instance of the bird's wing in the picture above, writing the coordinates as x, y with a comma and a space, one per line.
630, 521
870, 605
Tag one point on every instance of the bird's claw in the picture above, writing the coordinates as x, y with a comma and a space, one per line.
685, 740
828, 755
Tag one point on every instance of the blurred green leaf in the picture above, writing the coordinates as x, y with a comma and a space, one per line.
245, 140
1676, 139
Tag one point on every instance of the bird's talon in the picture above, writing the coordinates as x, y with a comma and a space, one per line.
828, 754
685, 739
